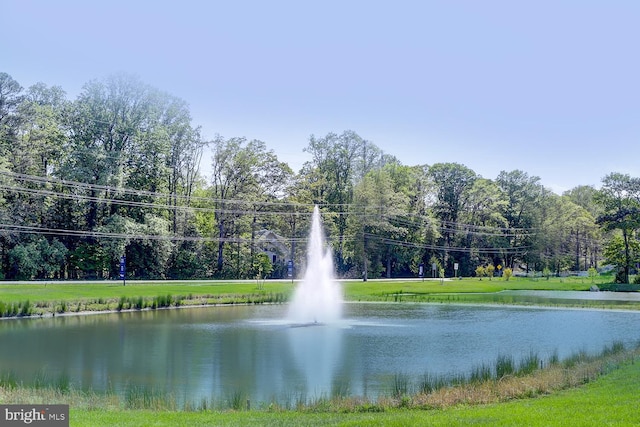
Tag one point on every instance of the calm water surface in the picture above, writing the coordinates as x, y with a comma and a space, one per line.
218, 352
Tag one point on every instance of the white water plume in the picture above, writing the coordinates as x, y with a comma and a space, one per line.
318, 298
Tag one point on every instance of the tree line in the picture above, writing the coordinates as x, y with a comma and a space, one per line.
117, 172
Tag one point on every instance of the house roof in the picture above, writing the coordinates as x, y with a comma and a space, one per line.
269, 237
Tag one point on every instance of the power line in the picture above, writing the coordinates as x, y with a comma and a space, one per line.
300, 208
459, 227
484, 250
409, 220
12, 228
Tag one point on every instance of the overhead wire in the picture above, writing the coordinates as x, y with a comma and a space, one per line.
351, 208
76, 189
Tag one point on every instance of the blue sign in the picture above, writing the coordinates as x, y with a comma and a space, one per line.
123, 267
290, 268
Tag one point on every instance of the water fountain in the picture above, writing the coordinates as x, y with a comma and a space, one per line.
318, 298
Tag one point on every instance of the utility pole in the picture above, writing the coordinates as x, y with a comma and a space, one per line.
364, 257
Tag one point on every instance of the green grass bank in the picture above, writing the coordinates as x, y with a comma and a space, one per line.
48, 298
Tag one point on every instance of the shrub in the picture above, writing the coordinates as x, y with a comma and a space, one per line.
429, 383
489, 270
163, 300
621, 277
617, 347
619, 287
400, 385
139, 303
8, 380
26, 308
504, 366
12, 310
480, 373
529, 364
507, 273
236, 400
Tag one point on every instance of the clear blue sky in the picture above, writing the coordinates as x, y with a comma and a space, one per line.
548, 87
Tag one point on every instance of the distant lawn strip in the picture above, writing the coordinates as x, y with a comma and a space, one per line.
44, 299
475, 291
384, 290
598, 391
25, 299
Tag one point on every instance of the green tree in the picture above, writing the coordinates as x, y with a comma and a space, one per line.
525, 196
585, 196
452, 183
40, 132
10, 98
373, 224
589, 234
129, 141
563, 234
483, 222
38, 137
24, 260
338, 163
107, 121
618, 252
490, 269
263, 267
243, 173
37, 259
419, 227
167, 155
619, 197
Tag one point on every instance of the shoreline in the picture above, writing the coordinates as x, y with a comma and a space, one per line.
524, 305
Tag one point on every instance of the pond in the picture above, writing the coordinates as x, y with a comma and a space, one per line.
215, 353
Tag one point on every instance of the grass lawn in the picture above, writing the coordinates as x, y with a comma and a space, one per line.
611, 400
74, 291
59, 297
377, 289
355, 290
